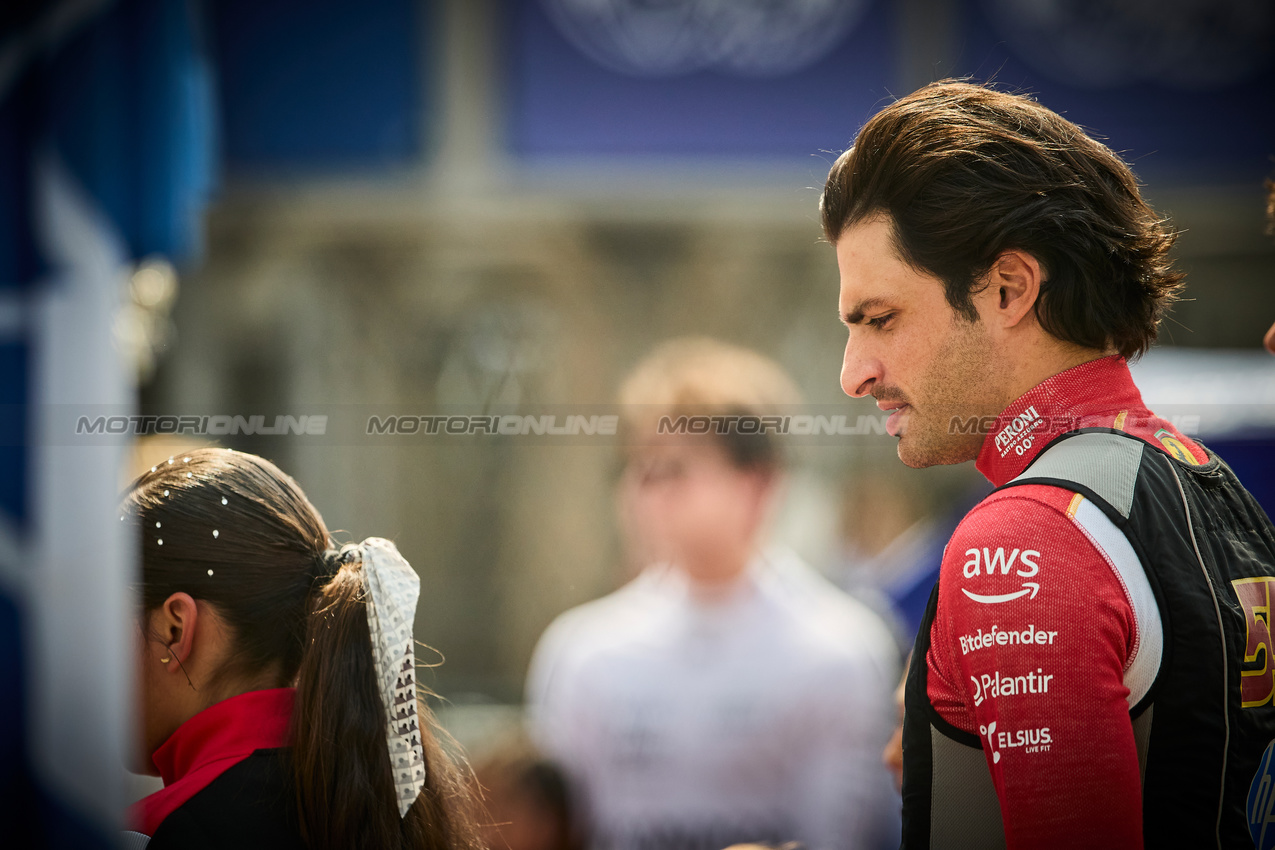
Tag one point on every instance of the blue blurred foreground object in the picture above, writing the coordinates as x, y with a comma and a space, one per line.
105, 158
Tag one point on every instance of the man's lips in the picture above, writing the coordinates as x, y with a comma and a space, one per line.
893, 423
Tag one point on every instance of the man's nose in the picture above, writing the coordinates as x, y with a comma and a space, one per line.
859, 370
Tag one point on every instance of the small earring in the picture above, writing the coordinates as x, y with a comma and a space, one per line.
165, 660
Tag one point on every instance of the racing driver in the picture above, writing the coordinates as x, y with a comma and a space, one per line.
1094, 668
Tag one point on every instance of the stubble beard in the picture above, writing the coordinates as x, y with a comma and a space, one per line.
960, 383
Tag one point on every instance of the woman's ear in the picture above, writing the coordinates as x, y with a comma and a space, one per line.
173, 624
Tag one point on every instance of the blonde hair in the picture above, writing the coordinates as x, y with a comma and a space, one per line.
700, 376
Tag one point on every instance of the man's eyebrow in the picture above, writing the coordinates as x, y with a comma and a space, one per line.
855, 315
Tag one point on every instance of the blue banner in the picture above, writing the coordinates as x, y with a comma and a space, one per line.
1183, 91
747, 80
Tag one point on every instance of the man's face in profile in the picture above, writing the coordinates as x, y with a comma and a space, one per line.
920, 359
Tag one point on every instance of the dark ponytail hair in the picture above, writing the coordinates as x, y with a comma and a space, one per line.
233, 530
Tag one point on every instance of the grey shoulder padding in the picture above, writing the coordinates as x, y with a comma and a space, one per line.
1106, 464
964, 808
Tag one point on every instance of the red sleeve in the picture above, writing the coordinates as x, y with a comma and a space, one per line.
1028, 651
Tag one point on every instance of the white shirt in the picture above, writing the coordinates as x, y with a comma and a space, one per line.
691, 723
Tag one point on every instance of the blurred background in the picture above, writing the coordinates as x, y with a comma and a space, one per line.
351, 207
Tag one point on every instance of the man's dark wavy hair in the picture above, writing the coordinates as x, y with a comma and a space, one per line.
966, 172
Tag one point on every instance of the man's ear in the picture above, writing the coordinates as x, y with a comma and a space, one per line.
1013, 288
174, 623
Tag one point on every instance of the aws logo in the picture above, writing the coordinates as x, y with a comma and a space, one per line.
992, 561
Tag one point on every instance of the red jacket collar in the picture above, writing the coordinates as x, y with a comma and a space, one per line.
234, 727
1091, 395
211, 742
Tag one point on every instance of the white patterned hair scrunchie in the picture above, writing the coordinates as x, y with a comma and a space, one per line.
393, 588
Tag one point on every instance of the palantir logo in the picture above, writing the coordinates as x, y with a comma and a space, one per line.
985, 560
994, 685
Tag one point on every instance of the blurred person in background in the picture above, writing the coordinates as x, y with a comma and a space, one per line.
528, 807
892, 543
276, 673
886, 540
892, 755
729, 693
1093, 669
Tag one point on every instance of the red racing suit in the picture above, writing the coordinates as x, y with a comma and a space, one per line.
1043, 637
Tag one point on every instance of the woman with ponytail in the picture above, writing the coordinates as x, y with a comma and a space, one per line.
276, 674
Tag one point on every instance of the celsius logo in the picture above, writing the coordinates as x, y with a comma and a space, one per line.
1017, 434
980, 560
1031, 740
989, 732
995, 685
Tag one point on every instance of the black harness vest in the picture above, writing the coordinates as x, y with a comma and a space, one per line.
1208, 550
